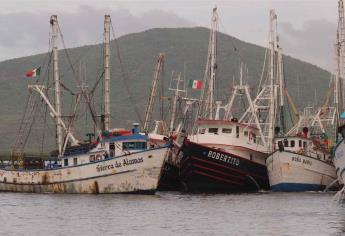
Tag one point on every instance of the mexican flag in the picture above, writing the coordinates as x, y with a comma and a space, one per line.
34, 72
195, 84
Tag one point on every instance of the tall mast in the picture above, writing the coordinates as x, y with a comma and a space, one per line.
53, 23
213, 64
156, 76
273, 18
207, 95
173, 110
281, 87
106, 72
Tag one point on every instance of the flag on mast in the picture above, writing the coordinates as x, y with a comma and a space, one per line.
195, 84
34, 72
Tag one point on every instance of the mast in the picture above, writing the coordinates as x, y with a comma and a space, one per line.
156, 76
273, 18
176, 95
207, 95
53, 23
262, 112
213, 61
281, 87
106, 55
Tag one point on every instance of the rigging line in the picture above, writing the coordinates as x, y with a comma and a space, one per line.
125, 77
67, 89
80, 57
232, 42
262, 72
93, 113
96, 84
44, 126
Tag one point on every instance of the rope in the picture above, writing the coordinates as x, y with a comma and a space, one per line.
93, 114
125, 77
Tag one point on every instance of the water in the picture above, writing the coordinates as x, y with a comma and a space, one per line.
171, 214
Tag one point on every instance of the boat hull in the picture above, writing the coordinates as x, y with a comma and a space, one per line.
205, 169
134, 173
294, 172
339, 160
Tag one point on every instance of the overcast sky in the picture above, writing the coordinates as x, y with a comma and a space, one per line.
307, 27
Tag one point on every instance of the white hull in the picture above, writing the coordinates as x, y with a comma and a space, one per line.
289, 171
136, 172
339, 160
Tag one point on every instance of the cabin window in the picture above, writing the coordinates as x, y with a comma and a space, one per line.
65, 162
112, 149
237, 131
304, 144
245, 133
286, 143
202, 131
318, 156
75, 161
280, 144
134, 145
292, 143
300, 143
226, 131
213, 130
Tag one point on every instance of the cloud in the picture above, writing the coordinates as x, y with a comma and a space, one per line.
25, 33
314, 42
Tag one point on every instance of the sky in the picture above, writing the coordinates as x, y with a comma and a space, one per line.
307, 28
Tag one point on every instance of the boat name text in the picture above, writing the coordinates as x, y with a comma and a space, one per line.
304, 161
117, 164
223, 157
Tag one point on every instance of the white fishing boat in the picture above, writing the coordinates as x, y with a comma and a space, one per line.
119, 161
300, 164
302, 161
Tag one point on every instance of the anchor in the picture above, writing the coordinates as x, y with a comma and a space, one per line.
254, 181
339, 197
330, 185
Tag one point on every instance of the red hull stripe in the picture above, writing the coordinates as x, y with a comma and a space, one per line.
228, 168
217, 178
229, 176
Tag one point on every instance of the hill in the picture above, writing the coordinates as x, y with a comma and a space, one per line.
183, 47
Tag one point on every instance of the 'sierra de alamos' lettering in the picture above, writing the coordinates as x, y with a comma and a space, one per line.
222, 157
126, 162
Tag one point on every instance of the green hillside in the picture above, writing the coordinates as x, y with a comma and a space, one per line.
139, 51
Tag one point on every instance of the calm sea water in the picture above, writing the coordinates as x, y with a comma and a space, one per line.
171, 214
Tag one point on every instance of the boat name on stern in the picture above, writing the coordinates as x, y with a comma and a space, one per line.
118, 164
299, 159
223, 157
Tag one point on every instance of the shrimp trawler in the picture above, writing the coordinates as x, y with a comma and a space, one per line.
119, 161
226, 154
302, 159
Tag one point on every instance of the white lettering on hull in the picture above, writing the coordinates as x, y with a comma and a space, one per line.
126, 162
223, 157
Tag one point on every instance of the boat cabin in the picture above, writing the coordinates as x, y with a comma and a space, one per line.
117, 142
316, 148
224, 129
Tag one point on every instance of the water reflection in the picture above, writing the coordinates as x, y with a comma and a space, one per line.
172, 213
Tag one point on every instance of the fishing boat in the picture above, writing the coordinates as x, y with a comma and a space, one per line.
301, 162
301, 159
339, 149
227, 154
118, 161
